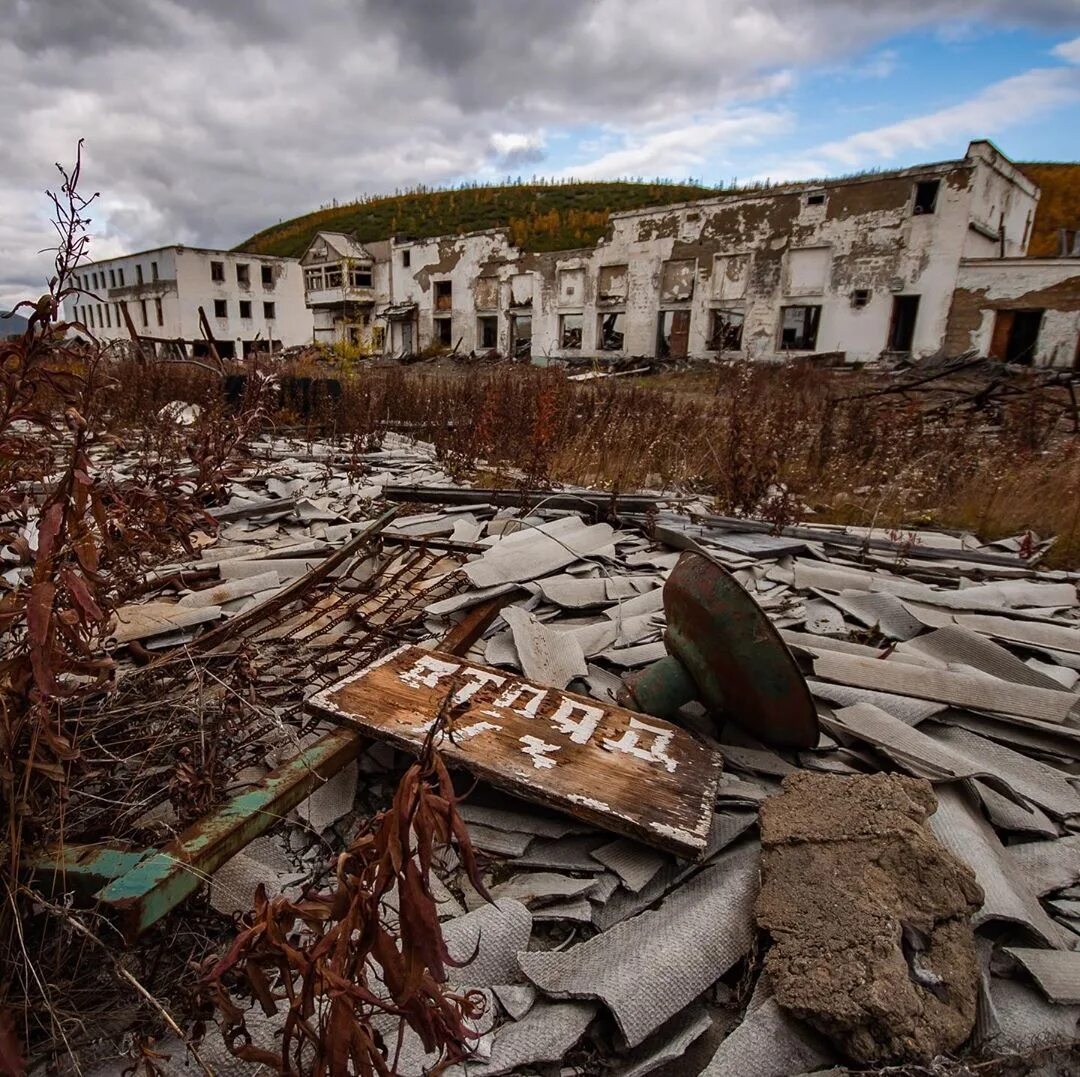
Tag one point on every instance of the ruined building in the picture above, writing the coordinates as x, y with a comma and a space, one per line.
913, 262
248, 302
909, 262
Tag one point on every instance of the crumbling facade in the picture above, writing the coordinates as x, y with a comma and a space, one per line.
248, 302
850, 269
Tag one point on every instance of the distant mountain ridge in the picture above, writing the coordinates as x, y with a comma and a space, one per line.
13, 326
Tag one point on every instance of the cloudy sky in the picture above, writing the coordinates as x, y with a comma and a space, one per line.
206, 120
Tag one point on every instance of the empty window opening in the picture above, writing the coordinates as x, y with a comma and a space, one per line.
487, 332
1016, 335
333, 277
139, 274
269, 311
799, 328
612, 331
444, 332
860, 298
267, 276
926, 192
153, 271
905, 311
221, 308
727, 330
245, 308
521, 335
444, 294
89, 310
108, 317
120, 276
313, 279
158, 311
815, 198
406, 258
378, 337
360, 278
144, 312
243, 274
217, 272
119, 319
570, 328
112, 278
673, 334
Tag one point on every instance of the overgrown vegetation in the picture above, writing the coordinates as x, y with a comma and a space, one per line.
541, 216
1059, 183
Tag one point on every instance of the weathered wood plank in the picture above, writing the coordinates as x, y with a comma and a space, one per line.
622, 771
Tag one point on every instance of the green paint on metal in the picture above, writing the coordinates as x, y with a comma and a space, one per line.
163, 879
81, 869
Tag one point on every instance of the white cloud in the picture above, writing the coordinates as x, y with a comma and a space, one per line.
997, 107
1068, 51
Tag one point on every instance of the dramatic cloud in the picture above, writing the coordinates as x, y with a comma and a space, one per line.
205, 121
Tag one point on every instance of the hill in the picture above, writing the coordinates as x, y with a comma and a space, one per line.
13, 326
1059, 206
540, 216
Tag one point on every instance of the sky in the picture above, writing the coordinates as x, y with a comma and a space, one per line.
205, 121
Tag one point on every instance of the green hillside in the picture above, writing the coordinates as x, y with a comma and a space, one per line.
541, 217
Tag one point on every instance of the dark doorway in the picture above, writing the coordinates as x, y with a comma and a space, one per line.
905, 310
1016, 335
673, 334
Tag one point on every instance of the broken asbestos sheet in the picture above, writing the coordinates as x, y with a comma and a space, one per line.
587, 759
870, 916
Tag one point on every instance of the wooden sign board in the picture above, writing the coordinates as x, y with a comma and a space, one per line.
625, 772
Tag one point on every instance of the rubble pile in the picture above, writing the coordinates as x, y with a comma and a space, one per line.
913, 877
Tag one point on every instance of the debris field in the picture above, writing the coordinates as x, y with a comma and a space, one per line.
682, 896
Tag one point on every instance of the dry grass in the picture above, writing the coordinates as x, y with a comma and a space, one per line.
777, 441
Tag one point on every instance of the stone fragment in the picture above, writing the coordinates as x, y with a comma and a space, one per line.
869, 916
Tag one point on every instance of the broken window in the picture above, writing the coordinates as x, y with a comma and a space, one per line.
145, 314
926, 192
243, 274
217, 272
487, 332
444, 332
902, 328
313, 279
799, 328
611, 284
612, 331
333, 277
570, 328
1016, 335
269, 311
444, 295
726, 331
808, 270
860, 298
267, 276
158, 312
221, 308
139, 274
486, 292
521, 335
677, 280
571, 287
245, 308
673, 334
153, 271
360, 278
406, 258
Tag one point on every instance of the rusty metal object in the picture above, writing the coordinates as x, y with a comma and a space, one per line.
724, 650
